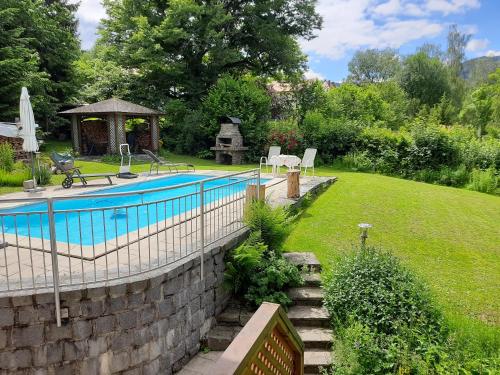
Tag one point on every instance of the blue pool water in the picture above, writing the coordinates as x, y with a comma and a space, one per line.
95, 227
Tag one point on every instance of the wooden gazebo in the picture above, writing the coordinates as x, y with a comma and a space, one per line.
102, 126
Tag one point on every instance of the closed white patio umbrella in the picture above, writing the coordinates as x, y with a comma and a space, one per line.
27, 132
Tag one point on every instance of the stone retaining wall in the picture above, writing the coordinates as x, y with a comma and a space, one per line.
147, 326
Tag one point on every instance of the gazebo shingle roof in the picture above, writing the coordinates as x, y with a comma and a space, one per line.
113, 105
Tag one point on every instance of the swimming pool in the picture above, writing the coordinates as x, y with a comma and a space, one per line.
86, 220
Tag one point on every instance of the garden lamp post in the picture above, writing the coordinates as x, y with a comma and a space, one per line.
364, 233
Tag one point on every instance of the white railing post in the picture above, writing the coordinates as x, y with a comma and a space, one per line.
53, 253
202, 231
258, 185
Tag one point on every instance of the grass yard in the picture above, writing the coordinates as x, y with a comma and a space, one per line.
450, 237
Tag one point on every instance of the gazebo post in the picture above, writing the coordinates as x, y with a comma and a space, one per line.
75, 132
112, 149
154, 132
120, 129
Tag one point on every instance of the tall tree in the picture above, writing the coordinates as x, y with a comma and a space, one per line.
179, 48
43, 35
19, 63
455, 57
455, 54
373, 65
424, 78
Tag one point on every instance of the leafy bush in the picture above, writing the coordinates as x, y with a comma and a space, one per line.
372, 287
431, 148
205, 154
454, 177
286, 134
271, 224
111, 158
484, 181
332, 137
386, 322
256, 274
43, 174
387, 319
6, 157
358, 161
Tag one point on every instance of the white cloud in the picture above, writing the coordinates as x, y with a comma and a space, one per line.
310, 74
389, 8
475, 45
353, 24
451, 6
90, 11
492, 53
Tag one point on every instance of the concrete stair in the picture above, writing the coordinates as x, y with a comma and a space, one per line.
309, 316
306, 296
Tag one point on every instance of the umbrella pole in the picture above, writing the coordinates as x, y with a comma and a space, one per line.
33, 170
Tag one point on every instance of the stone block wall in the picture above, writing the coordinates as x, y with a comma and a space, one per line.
151, 325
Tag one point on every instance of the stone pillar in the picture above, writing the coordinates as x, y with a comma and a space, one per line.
75, 132
155, 133
120, 130
112, 148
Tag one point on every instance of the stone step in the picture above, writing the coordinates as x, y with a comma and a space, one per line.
314, 359
233, 316
312, 279
219, 337
309, 296
304, 260
316, 338
308, 316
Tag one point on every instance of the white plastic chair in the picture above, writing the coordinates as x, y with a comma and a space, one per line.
273, 151
308, 160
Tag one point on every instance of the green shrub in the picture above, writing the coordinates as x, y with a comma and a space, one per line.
372, 287
43, 174
111, 158
205, 154
453, 177
358, 161
6, 157
426, 175
286, 134
431, 148
256, 274
332, 137
386, 322
271, 224
484, 181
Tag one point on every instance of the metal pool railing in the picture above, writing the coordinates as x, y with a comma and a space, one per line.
65, 241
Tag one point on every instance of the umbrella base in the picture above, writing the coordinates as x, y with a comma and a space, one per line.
29, 187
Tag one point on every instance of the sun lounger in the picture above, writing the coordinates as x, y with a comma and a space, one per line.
65, 164
157, 162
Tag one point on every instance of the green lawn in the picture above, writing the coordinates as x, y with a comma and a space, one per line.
450, 237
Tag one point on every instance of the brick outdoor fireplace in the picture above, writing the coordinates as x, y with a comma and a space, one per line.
229, 147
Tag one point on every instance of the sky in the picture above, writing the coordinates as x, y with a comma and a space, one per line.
350, 25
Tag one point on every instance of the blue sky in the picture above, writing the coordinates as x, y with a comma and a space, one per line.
349, 25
